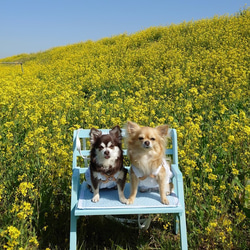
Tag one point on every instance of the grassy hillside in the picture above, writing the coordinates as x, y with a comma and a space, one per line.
193, 76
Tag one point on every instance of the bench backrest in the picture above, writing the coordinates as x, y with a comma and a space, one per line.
81, 147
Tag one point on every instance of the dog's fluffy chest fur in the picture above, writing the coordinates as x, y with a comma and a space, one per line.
147, 162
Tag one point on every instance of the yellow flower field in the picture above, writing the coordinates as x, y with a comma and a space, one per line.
193, 76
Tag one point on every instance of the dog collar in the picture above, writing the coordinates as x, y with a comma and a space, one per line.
107, 178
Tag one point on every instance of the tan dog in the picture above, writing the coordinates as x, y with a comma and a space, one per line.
146, 151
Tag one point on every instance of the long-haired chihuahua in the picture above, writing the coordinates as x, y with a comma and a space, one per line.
146, 151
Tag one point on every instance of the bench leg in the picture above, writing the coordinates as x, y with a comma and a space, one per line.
73, 232
176, 224
183, 231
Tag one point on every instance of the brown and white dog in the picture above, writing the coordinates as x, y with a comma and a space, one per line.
146, 151
106, 161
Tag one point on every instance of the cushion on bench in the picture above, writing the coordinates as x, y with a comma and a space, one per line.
109, 199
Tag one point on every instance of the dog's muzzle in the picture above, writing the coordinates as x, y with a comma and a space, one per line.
106, 154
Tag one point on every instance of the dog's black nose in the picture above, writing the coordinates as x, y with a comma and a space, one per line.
106, 152
147, 143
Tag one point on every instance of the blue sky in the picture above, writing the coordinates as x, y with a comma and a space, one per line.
30, 26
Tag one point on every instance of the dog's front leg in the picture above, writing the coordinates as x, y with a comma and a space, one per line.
134, 181
95, 188
161, 179
121, 184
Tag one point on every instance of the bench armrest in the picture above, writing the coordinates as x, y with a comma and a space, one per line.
176, 172
178, 183
75, 182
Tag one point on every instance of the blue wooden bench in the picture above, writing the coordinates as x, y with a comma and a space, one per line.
145, 203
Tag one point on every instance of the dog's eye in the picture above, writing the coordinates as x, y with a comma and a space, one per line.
111, 146
101, 148
152, 139
140, 138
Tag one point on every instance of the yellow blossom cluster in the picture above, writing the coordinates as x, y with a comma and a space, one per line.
193, 76
13, 234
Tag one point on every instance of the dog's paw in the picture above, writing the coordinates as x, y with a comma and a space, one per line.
96, 198
130, 201
165, 201
123, 200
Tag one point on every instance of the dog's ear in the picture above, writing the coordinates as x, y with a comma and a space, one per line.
116, 132
163, 130
132, 127
94, 134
